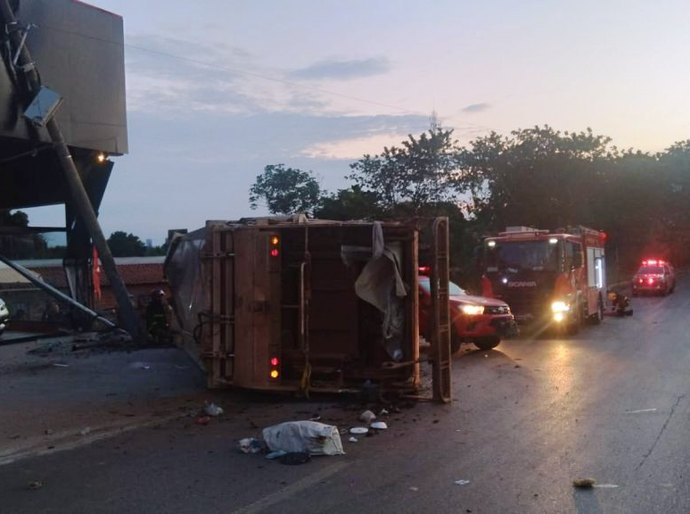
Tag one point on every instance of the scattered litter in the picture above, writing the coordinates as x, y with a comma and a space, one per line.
353, 439
367, 416
462, 482
379, 425
309, 437
315, 417
584, 483
202, 420
605, 486
639, 411
60, 365
383, 412
275, 455
294, 458
85, 431
213, 410
35, 484
250, 445
359, 430
413, 488
140, 365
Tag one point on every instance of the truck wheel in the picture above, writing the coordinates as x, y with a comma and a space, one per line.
596, 318
576, 323
487, 343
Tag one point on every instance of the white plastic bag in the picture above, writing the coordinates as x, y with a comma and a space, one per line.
304, 436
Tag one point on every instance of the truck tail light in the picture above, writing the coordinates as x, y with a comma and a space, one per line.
274, 371
275, 246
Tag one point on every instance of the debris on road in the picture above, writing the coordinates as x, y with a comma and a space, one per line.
584, 483
35, 485
353, 439
462, 482
367, 416
202, 420
85, 431
294, 458
60, 365
213, 410
639, 411
251, 445
359, 430
275, 454
304, 436
379, 425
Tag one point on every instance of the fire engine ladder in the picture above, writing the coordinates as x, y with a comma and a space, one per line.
440, 328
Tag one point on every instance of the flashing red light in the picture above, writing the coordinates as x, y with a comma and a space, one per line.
275, 252
274, 361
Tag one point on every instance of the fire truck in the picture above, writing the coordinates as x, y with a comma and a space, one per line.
550, 279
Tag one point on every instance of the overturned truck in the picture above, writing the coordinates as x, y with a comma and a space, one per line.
310, 305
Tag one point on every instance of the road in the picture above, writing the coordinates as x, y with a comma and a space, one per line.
610, 403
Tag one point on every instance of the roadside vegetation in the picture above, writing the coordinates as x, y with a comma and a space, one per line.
537, 177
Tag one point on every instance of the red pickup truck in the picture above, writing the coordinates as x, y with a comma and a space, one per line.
474, 319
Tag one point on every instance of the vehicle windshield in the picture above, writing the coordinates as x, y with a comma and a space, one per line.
523, 255
453, 288
651, 270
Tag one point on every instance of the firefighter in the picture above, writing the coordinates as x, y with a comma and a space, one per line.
620, 303
157, 324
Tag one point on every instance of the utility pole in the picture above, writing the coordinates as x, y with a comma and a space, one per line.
79, 197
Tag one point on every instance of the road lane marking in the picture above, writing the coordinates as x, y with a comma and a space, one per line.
292, 489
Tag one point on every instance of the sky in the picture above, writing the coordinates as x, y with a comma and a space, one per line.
218, 89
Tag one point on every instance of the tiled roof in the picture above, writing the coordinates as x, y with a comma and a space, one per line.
133, 270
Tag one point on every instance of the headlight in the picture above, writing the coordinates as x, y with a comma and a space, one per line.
560, 306
472, 310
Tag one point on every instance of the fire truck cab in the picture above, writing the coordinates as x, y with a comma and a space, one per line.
549, 278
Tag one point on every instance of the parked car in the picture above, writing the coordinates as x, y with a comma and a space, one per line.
474, 319
654, 276
4, 316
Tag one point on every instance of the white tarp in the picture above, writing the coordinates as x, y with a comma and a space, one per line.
304, 436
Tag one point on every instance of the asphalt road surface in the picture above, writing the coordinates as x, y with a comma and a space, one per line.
528, 418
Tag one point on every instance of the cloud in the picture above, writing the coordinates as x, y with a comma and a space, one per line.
480, 107
171, 78
343, 70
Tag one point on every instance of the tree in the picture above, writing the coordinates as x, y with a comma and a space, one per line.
126, 245
285, 190
537, 177
418, 173
349, 204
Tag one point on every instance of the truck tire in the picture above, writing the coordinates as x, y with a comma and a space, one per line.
575, 324
598, 316
487, 343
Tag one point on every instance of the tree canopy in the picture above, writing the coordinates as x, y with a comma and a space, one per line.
122, 244
285, 190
